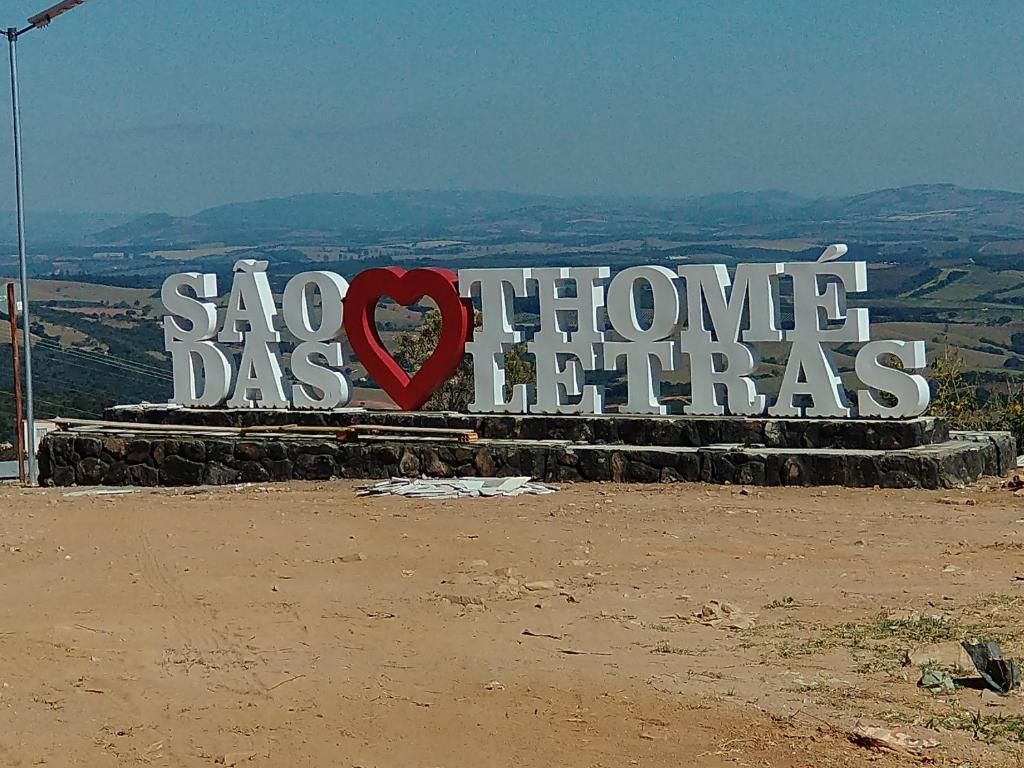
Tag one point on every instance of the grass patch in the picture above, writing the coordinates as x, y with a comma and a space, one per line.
984, 727
1005, 546
882, 629
666, 647
786, 602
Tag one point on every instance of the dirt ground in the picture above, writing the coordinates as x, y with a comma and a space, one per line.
302, 625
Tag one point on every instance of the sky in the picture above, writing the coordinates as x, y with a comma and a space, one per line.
149, 105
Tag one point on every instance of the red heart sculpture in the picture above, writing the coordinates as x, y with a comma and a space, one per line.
407, 288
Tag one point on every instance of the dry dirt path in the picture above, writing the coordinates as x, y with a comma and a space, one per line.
303, 626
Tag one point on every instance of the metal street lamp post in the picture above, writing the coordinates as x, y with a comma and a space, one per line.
13, 33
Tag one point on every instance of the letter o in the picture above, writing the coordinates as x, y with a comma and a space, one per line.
622, 309
298, 305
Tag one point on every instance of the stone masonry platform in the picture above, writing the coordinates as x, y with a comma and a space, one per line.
158, 445
612, 429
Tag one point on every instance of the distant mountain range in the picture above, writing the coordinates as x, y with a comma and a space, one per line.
939, 210
58, 227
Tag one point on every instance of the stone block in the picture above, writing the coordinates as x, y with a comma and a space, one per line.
687, 466
751, 473
639, 472
483, 463
249, 450
669, 475
63, 449
220, 451
144, 475
253, 472
433, 466
314, 466
594, 465
89, 447
117, 474
61, 476
90, 471
216, 473
115, 448
177, 470
279, 470
138, 451
193, 450
409, 464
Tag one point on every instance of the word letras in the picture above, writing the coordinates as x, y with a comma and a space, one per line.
645, 321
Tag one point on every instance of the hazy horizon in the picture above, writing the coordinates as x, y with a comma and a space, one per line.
484, 191
136, 108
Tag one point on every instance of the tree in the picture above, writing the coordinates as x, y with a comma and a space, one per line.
412, 348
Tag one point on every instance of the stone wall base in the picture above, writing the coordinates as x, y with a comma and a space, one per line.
122, 457
607, 429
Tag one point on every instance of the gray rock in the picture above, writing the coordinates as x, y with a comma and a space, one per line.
63, 449
314, 467
793, 472
619, 467
138, 451
63, 476
409, 465
220, 451
159, 452
117, 474
594, 465
669, 475
90, 471
144, 475
115, 447
252, 472
216, 473
249, 451
433, 466
89, 447
280, 470
177, 470
639, 472
193, 450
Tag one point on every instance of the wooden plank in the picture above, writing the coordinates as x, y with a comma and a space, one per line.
127, 426
396, 428
357, 431
364, 431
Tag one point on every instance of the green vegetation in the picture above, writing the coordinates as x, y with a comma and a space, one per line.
414, 347
872, 635
960, 399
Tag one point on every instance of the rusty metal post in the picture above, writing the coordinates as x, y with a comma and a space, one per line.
12, 314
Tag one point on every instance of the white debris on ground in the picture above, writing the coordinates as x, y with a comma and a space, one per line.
457, 487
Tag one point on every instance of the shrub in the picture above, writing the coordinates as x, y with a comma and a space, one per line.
959, 400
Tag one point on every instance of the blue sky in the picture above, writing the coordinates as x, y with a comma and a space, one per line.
149, 105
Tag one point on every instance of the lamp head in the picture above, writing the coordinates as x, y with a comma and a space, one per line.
44, 18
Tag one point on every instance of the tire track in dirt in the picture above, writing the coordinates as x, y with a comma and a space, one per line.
195, 624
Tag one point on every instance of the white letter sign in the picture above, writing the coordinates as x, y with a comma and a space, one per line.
696, 324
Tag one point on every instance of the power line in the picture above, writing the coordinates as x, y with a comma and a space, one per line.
108, 360
106, 357
52, 404
76, 363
